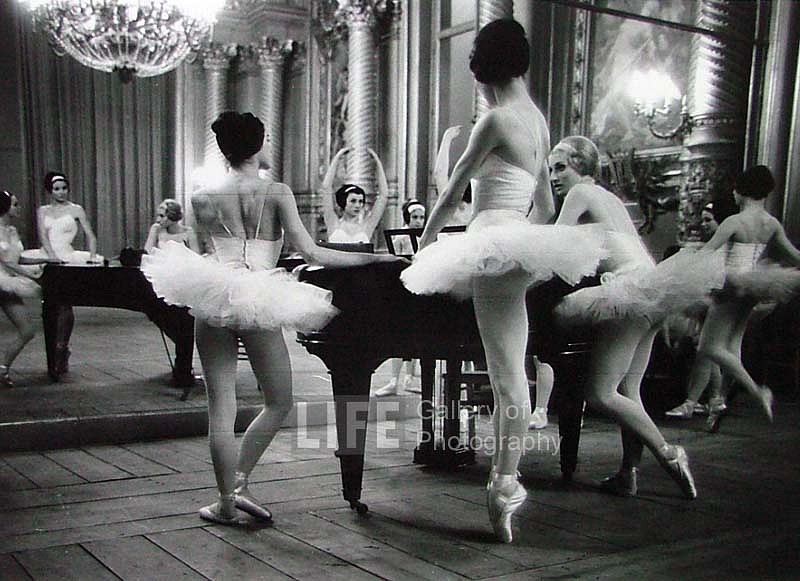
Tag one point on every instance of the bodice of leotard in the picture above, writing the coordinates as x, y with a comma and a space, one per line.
11, 248
743, 256
61, 232
253, 253
341, 236
179, 237
626, 253
500, 185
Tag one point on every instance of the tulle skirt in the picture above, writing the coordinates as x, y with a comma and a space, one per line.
680, 284
20, 286
68, 256
236, 298
498, 242
767, 282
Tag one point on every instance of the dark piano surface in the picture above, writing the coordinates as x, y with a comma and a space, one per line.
121, 287
380, 319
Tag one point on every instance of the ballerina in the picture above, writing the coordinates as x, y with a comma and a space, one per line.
746, 236
502, 254
17, 282
168, 227
626, 311
238, 294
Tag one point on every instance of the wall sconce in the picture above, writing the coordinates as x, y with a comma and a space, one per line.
648, 90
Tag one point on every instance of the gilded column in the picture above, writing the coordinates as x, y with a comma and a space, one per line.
360, 17
393, 117
248, 77
272, 58
489, 10
717, 99
216, 62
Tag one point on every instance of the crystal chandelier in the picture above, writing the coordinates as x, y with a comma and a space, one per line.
133, 37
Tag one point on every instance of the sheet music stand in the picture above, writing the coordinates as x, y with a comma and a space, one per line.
395, 237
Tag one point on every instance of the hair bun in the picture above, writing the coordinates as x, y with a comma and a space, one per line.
239, 135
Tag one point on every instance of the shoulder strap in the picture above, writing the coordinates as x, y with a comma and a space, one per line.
219, 217
260, 216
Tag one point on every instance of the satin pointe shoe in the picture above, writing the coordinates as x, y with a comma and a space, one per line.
683, 411
678, 468
502, 505
388, 389
246, 502
222, 512
716, 409
538, 419
700, 409
623, 483
767, 399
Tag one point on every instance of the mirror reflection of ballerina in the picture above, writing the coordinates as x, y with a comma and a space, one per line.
57, 224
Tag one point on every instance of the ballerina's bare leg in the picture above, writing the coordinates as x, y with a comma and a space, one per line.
269, 359
18, 315
218, 350
720, 341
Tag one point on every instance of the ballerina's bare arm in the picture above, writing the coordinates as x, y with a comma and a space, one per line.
40, 228
373, 219
442, 166
544, 206
298, 235
484, 138
784, 245
91, 239
576, 204
152, 237
724, 233
326, 189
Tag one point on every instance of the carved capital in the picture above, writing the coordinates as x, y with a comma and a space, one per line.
217, 56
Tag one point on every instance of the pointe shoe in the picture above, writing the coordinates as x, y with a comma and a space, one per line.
766, 398
502, 505
5, 378
683, 411
716, 409
388, 389
700, 409
678, 468
623, 483
538, 419
221, 512
245, 501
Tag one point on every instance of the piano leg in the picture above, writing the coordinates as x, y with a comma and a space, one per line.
53, 318
570, 415
351, 378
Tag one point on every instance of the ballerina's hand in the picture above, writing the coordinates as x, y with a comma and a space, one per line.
451, 133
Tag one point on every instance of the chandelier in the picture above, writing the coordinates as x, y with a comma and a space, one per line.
133, 37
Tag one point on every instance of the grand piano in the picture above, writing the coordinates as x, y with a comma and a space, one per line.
121, 287
380, 319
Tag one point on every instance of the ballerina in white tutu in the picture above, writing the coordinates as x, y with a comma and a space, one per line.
17, 282
237, 294
750, 279
502, 253
626, 310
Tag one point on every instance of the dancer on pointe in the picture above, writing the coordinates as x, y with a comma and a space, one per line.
502, 253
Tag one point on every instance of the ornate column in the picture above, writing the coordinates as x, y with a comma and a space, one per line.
271, 58
489, 10
360, 17
394, 118
216, 62
248, 77
717, 99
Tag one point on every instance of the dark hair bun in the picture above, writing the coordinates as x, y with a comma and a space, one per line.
500, 52
239, 135
5, 202
756, 182
344, 191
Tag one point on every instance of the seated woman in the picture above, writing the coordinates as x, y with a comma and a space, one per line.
354, 225
16, 283
168, 228
57, 225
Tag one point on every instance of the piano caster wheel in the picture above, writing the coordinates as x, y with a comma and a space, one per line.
359, 507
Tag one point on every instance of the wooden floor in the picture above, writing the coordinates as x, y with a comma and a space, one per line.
130, 512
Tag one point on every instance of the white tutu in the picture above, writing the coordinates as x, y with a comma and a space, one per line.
236, 298
678, 284
19, 285
498, 242
767, 282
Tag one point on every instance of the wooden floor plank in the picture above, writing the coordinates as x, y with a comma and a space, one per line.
86, 466
362, 551
11, 570
10, 479
165, 453
289, 555
139, 559
71, 562
41, 470
214, 557
128, 461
